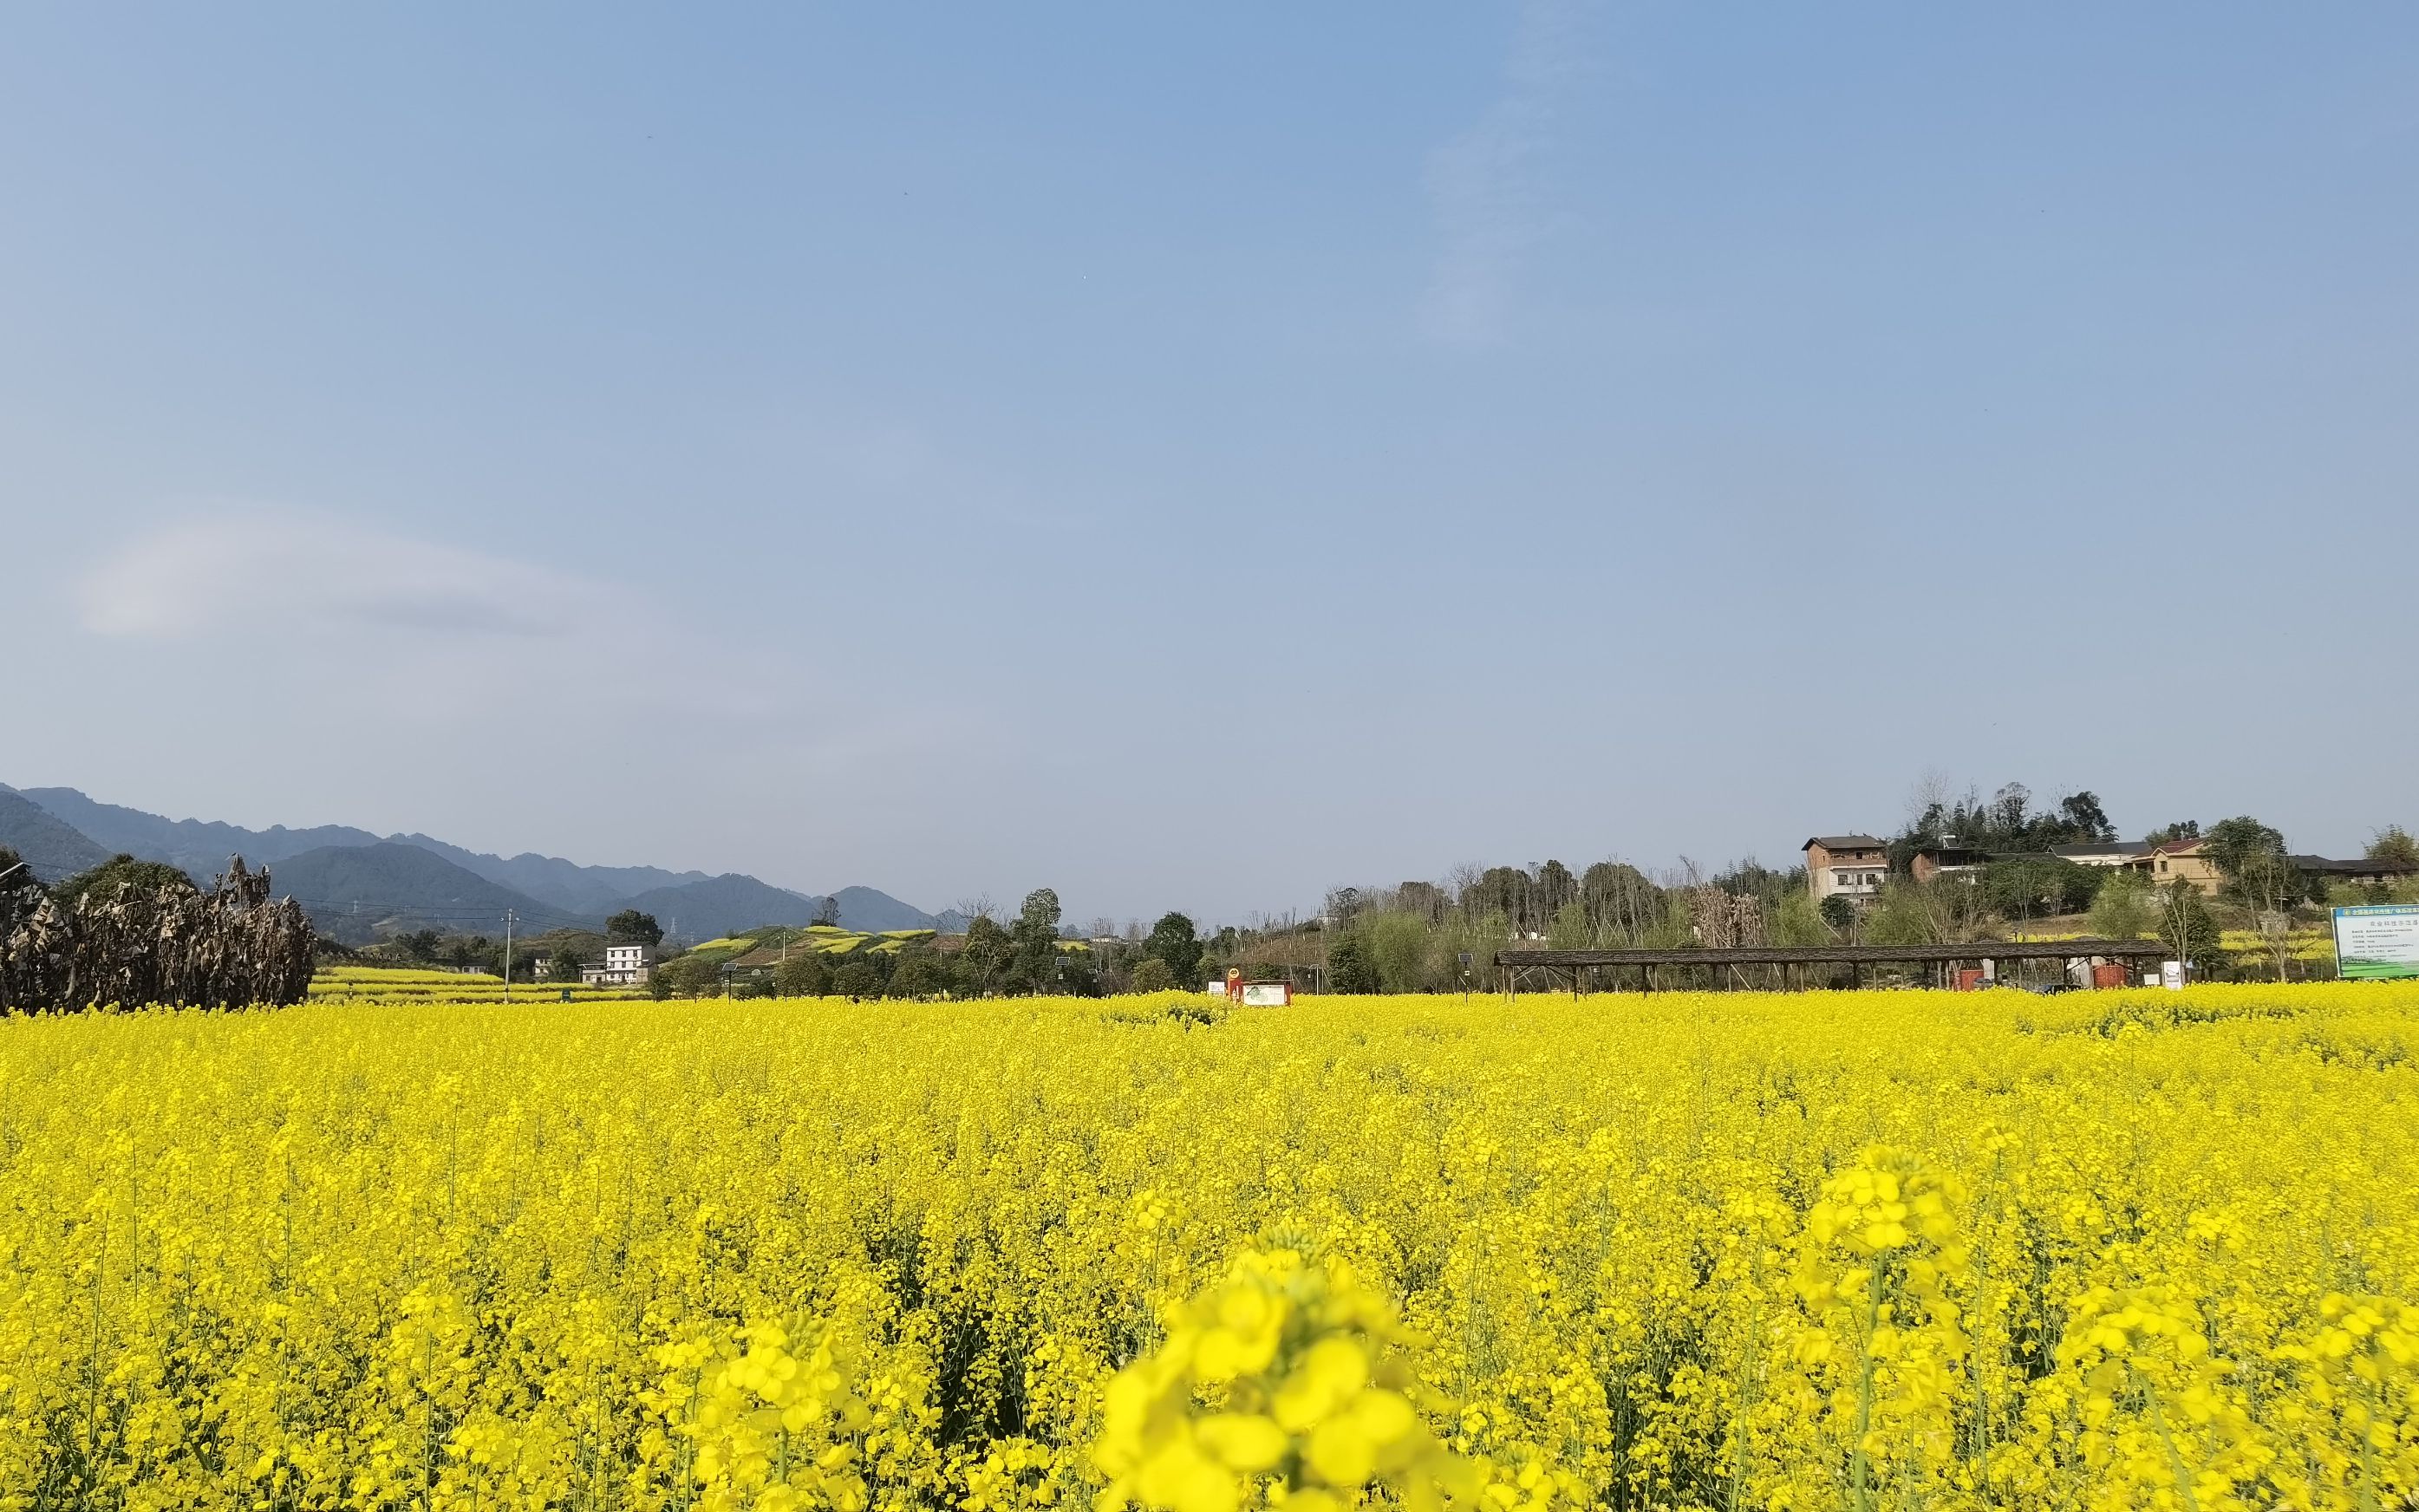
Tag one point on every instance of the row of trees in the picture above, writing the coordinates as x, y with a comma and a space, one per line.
1422, 936
2004, 823
133, 932
2024, 879
1414, 936
1381, 947
1020, 956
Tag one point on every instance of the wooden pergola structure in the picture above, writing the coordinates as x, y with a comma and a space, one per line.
1516, 965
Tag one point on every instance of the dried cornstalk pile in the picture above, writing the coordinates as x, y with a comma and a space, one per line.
127, 946
1725, 921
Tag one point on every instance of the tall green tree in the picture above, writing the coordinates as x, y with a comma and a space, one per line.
2251, 857
1798, 921
1751, 878
1150, 975
1404, 951
2030, 886
123, 870
1034, 942
631, 927
1840, 914
2186, 926
2006, 822
2083, 820
986, 954
919, 973
1172, 940
1568, 929
2233, 842
1424, 901
2126, 908
2395, 846
1549, 891
2272, 883
1907, 912
1621, 903
1500, 892
805, 974
1349, 966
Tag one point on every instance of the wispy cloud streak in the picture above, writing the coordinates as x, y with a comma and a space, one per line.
248, 569
1487, 187
362, 612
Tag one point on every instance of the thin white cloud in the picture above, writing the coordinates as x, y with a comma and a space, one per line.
400, 677
1487, 186
252, 569
363, 615
359, 618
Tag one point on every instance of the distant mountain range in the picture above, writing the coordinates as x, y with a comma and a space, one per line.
361, 892
53, 848
358, 887
558, 882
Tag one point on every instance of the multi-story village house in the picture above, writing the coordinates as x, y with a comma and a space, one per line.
1845, 866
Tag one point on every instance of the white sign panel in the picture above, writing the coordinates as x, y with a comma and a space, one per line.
1267, 994
2378, 942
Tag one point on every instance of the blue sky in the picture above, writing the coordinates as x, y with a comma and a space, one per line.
1197, 459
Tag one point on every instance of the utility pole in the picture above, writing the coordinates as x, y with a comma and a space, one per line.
508, 955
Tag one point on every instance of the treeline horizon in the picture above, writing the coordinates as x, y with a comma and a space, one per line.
1442, 935
1414, 936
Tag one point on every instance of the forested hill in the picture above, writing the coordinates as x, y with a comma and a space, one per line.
556, 882
345, 875
726, 904
51, 848
199, 847
359, 893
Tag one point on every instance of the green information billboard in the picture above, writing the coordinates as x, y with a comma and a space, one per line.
2378, 942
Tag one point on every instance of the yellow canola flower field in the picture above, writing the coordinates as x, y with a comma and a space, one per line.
403, 985
1889, 1249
